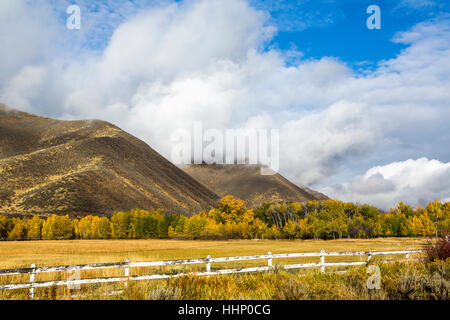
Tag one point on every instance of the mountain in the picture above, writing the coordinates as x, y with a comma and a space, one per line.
86, 167
246, 182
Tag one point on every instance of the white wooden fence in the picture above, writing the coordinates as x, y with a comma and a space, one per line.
33, 270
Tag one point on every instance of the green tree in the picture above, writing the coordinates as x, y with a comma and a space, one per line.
121, 225
6, 225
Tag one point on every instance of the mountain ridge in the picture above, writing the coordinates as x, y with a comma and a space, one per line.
86, 167
246, 182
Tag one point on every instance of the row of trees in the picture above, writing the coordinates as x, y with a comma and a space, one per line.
332, 219
328, 219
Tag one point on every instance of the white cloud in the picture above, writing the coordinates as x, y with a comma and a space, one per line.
25, 86
169, 65
412, 181
318, 143
26, 36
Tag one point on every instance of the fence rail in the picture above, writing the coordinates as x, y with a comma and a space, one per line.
33, 270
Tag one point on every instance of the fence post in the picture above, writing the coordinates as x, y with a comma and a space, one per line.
369, 255
32, 276
409, 251
208, 263
269, 261
322, 260
127, 271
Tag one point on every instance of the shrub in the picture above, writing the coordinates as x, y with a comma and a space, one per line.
162, 292
438, 286
438, 250
292, 290
409, 284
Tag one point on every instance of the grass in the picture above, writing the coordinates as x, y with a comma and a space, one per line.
16, 254
48, 253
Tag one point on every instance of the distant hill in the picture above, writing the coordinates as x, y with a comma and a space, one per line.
246, 182
86, 167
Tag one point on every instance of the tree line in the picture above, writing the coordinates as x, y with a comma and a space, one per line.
325, 219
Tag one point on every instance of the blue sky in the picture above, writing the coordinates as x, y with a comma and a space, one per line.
338, 28
362, 114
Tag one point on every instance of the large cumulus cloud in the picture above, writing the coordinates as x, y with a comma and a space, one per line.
412, 181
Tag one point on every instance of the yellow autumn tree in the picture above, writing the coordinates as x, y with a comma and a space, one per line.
304, 228
290, 229
57, 228
259, 229
19, 230
212, 230
34, 228
421, 226
230, 209
195, 226
84, 228
101, 228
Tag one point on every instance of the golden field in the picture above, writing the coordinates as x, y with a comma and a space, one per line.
51, 253
16, 254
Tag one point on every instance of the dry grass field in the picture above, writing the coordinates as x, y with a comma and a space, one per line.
51, 253
16, 254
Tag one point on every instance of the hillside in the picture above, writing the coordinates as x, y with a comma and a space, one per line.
246, 183
86, 167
